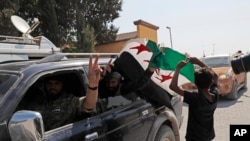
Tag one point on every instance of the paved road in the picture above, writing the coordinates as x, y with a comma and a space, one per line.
227, 112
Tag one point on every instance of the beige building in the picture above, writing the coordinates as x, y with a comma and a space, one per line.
144, 30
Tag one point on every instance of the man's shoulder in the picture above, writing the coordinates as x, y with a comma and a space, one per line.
190, 96
187, 93
67, 97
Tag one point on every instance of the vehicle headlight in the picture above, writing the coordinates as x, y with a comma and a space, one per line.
223, 76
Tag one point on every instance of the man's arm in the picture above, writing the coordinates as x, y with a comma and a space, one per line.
94, 78
195, 60
174, 83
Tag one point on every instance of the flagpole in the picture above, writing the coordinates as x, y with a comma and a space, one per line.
169, 28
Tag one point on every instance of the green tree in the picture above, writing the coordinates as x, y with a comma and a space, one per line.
85, 34
100, 14
7, 8
49, 22
81, 23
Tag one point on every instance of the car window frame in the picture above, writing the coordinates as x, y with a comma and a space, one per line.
13, 82
42, 74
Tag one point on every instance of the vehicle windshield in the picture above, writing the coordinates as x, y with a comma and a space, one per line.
223, 61
6, 82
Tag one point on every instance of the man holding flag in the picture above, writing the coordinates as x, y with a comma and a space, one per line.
202, 104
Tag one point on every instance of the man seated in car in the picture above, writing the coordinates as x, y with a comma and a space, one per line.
59, 108
110, 90
110, 85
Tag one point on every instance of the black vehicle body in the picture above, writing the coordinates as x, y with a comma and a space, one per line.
137, 121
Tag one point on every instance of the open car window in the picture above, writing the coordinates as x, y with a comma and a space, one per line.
35, 96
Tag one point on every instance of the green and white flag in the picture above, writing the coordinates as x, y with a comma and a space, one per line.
148, 54
166, 64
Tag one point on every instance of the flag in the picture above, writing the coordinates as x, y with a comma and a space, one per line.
139, 49
169, 59
148, 55
166, 63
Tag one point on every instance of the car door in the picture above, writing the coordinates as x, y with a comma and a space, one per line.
84, 130
129, 122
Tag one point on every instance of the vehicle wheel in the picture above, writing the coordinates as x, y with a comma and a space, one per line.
165, 133
233, 94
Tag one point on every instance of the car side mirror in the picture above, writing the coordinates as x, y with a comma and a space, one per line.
26, 125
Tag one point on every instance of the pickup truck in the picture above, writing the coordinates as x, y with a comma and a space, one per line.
137, 120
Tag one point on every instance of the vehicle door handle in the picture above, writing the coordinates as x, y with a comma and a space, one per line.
92, 136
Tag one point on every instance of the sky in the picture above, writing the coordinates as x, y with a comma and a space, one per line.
197, 26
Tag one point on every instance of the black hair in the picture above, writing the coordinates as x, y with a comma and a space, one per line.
54, 77
203, 78
113, 75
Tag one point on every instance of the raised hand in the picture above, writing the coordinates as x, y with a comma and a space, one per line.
182, 64
107, 68
94, 72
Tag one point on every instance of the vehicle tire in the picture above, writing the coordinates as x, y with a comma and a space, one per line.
165, 133
233, 94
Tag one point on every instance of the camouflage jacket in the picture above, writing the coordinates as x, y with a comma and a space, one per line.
63, 110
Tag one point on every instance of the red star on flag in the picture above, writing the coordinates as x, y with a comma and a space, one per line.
165, 77
141, 48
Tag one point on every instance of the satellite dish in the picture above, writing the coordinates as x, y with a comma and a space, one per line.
20, 23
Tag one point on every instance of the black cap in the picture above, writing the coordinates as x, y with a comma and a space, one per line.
54, 77
113, 75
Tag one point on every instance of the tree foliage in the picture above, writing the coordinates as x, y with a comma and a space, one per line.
7, 8
83, 23
100, 14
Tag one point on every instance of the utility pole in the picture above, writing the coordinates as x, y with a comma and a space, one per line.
169, 28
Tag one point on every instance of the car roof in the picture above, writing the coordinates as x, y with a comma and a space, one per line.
53, 61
